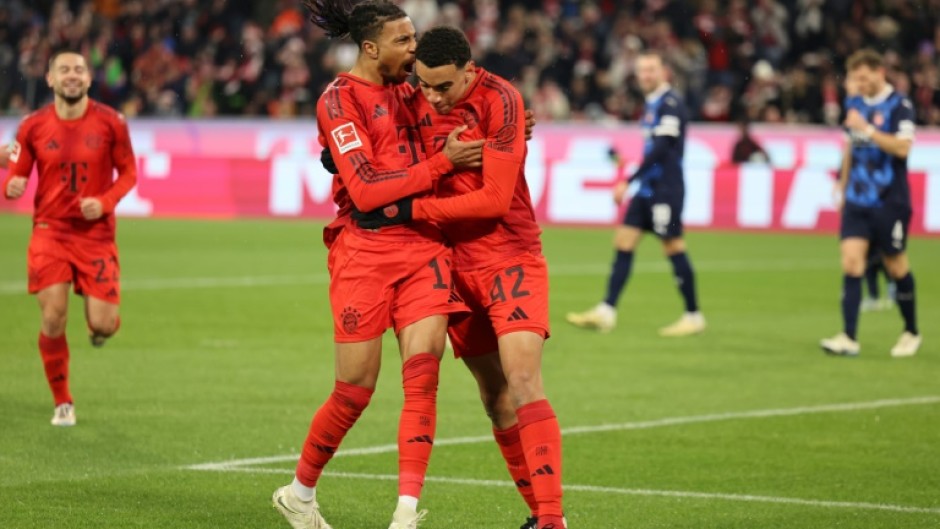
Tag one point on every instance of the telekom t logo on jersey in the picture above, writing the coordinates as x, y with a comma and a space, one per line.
346, 138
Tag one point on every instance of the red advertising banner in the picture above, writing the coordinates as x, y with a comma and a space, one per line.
228, 169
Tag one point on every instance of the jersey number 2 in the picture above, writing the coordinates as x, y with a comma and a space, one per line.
517, 275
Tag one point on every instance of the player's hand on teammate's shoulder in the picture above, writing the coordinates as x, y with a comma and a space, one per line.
15, 187
390, 215
463, 153
92, 209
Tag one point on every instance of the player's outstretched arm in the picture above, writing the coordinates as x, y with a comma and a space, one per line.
4, 156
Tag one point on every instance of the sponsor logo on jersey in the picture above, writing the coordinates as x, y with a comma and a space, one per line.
346, 137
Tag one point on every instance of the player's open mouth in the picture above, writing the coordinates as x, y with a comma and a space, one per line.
409, 67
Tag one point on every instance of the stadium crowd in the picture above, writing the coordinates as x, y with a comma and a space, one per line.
759, 60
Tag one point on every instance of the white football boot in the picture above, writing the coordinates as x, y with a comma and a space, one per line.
64, 415
907, 345
299, 514
840, 345
602, 317
405, 517
690, 323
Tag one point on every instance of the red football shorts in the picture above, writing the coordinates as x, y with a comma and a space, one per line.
377, 284
509, 297
91, 266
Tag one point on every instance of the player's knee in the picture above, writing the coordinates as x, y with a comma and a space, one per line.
525, 386
54, 319
853, 265
897, 267
673, 246
498, 407
53, 328
103, 326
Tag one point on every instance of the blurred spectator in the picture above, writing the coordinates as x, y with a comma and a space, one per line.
746, 149
758, 60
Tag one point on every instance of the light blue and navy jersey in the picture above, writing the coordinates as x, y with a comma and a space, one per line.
850, 103
664, 122
876, 178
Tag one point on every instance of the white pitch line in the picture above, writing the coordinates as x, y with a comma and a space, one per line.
576, 430
751, 498
175, 283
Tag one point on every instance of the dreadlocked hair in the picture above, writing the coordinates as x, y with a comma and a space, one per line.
359, 20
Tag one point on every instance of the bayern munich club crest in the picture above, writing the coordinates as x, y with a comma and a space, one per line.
350, 320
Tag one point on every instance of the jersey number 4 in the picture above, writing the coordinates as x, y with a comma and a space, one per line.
516, 274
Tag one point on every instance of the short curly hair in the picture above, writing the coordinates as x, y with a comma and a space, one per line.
441, 46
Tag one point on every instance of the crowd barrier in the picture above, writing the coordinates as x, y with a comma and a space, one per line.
231, 169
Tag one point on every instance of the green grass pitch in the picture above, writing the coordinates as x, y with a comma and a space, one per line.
225, 352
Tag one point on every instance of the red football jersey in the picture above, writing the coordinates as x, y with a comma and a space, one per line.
488, 211
371, 132
75, 159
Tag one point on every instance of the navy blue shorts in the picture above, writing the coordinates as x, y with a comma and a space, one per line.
884, 228
663, 217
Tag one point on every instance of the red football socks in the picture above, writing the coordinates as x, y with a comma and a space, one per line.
511, 448
418, 422
541, 441
330, 424
55, 359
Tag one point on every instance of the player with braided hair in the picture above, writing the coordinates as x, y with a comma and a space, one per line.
397, 278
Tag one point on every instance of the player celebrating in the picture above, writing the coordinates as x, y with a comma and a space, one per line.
499, 269
396, 278
657, 206
877, 200
76, 143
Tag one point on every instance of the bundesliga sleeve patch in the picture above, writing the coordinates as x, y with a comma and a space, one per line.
15, 151
346, 137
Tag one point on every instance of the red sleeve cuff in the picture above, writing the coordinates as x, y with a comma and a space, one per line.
417, 210
440, 165
107, 204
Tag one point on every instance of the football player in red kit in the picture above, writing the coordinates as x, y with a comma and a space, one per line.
76, 145
499, 270
398, 278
